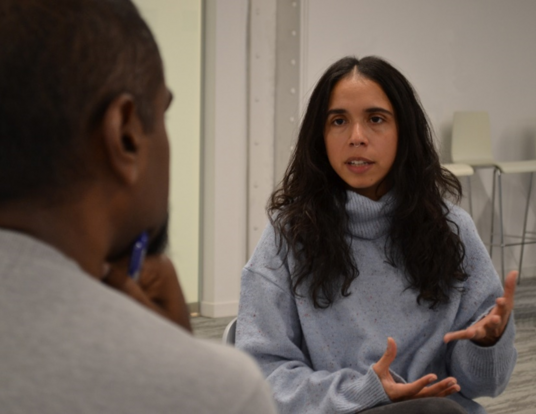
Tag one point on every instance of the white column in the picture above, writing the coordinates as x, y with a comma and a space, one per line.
224, 154
262, 66
250, 114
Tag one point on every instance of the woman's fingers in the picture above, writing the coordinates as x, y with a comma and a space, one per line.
510, 284
382, 366
489, 329
468, 333
442, 388
423, 387
413, 389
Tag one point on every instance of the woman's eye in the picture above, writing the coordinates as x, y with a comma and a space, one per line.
376, 119
338, 122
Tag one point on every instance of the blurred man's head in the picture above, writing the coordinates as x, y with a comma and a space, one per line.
82, 102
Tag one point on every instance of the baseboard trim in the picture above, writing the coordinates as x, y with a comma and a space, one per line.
219, 309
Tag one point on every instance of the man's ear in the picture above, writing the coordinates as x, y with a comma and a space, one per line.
122, 133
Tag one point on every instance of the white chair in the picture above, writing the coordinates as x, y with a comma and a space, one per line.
229, 333
463, 170
471, 144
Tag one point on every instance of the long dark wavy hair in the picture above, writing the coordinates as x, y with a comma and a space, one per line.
308, 209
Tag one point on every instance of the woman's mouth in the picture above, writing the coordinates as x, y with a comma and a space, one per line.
359, 166
359, 162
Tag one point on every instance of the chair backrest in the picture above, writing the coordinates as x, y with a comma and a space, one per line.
229, 334
471, 139
460, 170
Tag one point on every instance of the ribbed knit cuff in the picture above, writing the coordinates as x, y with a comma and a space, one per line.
491, 361
368, 392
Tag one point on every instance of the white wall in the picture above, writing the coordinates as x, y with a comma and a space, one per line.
176, 26
459, 55
225, 147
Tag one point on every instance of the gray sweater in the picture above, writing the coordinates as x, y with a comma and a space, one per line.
319, 360
69, 344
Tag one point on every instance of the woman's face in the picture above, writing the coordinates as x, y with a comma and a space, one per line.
361, 135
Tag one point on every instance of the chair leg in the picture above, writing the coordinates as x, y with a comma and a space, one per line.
501, 224
524, 228
492, 213
469, 195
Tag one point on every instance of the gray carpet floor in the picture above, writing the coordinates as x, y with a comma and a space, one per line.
520, 395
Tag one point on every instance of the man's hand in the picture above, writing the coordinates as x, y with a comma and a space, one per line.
158, 287
417, 389
488, 330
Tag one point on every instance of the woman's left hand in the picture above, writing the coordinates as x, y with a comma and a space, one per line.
488, 330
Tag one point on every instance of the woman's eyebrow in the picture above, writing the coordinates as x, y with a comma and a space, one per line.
336, 111
378, 109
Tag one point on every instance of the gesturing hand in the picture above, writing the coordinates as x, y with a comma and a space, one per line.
488, 330
420, 388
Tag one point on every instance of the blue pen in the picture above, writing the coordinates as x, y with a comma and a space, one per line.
138, 255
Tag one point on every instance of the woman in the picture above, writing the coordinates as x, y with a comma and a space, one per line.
362, 250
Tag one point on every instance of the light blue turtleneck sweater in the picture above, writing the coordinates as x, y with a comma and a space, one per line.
319, 360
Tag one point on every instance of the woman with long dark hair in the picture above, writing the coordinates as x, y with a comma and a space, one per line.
364, 249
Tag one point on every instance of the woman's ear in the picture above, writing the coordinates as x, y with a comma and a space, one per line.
122, 134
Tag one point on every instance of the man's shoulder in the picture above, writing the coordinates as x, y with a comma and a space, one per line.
197, 375
75, 343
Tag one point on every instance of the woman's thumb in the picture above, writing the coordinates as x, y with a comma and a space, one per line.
387, 358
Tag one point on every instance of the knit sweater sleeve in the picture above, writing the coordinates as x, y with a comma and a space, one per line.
269, 329
480, 371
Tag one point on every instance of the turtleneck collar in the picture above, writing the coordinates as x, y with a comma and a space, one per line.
369, 219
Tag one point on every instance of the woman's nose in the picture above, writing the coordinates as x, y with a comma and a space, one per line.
358, 136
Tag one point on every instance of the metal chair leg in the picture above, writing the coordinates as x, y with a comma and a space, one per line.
524, 228
492, 213
501, 221
469, 195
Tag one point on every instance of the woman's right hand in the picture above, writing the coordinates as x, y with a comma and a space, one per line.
420, 388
